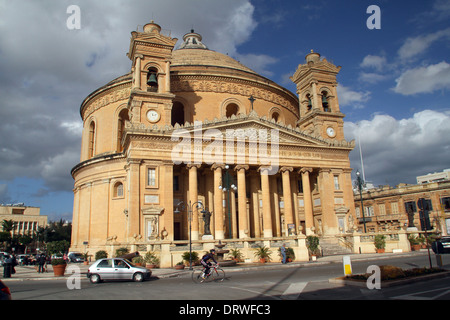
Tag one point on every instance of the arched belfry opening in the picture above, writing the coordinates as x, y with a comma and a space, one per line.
177, 113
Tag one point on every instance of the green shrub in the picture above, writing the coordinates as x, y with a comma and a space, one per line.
101, 254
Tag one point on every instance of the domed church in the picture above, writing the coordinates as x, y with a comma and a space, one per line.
191, 148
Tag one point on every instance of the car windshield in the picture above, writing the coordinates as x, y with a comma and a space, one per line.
78, 255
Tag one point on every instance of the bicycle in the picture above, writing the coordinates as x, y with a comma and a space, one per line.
215, 274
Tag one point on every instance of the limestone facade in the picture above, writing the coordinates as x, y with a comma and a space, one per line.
186, 124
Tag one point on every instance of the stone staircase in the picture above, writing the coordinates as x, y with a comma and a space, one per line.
330, 246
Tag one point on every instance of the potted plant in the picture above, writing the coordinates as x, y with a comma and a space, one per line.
59, 267
193, 255
138, 261
380, 243
414, 242
179, 265
86, 258
235, 254
151, 260
263, 254
290, 255
422, 241
312, 243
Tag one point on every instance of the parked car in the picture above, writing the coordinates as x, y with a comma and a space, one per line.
75, 257
441, 245
116, 269
5, 293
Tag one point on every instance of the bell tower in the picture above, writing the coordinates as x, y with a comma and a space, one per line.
150, 52
319, 107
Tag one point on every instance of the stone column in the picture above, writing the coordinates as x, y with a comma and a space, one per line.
242, 200
255, 205
193, 198
218, 202
133, 198
267, 216
287, 196
137, 73
233, 215
307, 199
167, 70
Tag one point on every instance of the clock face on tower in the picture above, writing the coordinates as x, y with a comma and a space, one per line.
330, 132
153, 116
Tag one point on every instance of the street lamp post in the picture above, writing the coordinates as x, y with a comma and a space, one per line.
228, 187
360, 184
190, 213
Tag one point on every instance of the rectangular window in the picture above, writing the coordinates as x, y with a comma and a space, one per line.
446, 203
382, 209
410, 206
336, 183
394, 207
151, 177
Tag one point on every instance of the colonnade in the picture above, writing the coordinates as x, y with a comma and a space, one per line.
261, 219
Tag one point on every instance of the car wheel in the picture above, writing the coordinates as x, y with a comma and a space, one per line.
138, 277
95, 278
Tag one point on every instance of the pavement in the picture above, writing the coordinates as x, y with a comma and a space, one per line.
26, 273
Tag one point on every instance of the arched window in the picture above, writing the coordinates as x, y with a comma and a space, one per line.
275, 116
152, 80
123, 117
325, 104
177, 113
91, 139
309, 106
231, 109
118, 190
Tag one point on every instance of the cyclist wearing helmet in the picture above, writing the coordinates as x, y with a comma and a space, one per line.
205, 261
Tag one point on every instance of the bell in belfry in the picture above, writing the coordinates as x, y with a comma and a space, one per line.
152, 81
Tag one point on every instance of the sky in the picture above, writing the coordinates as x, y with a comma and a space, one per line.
394, 85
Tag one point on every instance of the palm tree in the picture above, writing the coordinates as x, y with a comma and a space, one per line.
8, 225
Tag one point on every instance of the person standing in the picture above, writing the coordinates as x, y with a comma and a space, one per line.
283, 253
41, 262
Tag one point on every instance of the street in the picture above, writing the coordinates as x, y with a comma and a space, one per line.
307, 282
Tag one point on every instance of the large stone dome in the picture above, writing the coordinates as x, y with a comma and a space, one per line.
208, 58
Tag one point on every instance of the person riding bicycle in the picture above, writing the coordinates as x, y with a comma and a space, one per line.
205, 261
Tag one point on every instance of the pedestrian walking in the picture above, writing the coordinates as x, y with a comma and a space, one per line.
283, 253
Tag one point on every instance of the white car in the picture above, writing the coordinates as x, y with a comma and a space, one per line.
116, 269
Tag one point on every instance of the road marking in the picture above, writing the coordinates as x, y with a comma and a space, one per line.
417, 295
294, 290
256, 292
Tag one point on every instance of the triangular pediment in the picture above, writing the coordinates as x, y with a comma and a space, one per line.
242, 127
156, 39
250, 128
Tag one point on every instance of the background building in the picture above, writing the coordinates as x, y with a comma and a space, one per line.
434, 177
193, 125
386, 208
27, 219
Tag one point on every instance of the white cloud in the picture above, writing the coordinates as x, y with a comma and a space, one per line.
414, 46
396, 151
46, 70
424, 79
372, 61
349, 97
